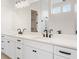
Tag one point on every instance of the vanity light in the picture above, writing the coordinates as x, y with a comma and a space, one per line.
24, 3
64, 0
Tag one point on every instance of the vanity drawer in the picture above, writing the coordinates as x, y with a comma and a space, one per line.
65, 52
19, 56
19, 51
15, 39
18, 40
11, 38
39, 45
3, 36
19, 47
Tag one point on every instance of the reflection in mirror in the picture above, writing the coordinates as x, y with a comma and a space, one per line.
39, 15
63, 17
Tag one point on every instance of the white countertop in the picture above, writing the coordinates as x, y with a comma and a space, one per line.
64, 40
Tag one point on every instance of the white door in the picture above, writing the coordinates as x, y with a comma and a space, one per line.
10, 48
30, 53
59, 57
44, 55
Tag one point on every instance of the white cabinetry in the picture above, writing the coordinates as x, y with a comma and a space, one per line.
10, 48
19, 51
17, 48
44, 55
59, 57
28, 53
34, 53
64, 53
3, 44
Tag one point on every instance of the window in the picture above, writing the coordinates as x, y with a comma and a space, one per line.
57, 1
75, 8
56, 10
67, 8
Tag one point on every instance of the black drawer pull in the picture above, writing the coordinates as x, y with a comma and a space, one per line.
34, 51
2, 48
8, 41
18, 48
18, 58
2, 36
2, 41
19, 40
65, 53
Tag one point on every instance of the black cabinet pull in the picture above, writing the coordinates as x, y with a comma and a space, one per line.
65, 53
19, 40
2, 36
18, 58
8, 41
18, 48
2, 48
2, 41
34, 51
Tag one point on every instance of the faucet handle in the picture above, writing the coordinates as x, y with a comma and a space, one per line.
50, 35
24, 29
18, 29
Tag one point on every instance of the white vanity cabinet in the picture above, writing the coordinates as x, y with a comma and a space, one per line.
44, 55
3, 43
29, 53
37, 50
34, 53
19, 51
59, 57
19, 48
10, 48
64, 53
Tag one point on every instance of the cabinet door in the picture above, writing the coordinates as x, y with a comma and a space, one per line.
33, 53
30, 53
44, 55
19, 51
59, 57
10, 49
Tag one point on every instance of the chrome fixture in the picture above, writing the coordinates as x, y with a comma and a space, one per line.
48, 33
20, 31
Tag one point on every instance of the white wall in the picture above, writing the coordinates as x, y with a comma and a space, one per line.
13, 18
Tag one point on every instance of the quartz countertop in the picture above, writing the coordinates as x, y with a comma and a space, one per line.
64, 40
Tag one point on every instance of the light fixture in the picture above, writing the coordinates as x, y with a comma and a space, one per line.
24, 3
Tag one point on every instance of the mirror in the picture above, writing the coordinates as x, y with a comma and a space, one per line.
59, 15
39, 15
63, 16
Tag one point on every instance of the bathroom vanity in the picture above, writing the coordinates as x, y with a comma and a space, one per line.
31, 47
55, 17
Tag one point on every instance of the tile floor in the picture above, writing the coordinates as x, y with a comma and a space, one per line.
3, 56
